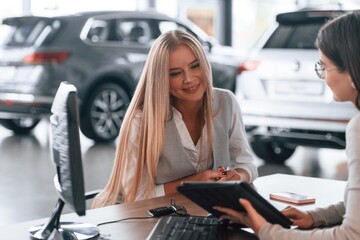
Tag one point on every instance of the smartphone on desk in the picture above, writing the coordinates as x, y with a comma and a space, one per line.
290, 197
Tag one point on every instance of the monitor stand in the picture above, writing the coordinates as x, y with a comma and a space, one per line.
75, 229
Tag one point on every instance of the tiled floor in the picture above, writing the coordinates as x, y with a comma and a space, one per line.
27, 172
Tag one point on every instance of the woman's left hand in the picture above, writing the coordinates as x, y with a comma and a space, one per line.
250, 218
302, 219
230, 175
233, 174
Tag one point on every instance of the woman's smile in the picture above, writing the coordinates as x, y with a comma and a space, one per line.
192, 89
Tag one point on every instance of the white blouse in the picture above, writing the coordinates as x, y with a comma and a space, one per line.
194, 153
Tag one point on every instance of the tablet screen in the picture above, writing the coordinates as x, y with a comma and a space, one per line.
227, 194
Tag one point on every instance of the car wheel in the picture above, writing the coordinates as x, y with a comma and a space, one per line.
20, 125
104, 112
272, 152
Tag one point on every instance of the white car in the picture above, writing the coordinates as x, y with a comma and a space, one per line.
284, 103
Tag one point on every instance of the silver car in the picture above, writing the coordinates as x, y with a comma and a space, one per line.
283, 101
101, 53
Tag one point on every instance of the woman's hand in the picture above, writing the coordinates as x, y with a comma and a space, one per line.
206, 176
299, 218
251, 218
237, 174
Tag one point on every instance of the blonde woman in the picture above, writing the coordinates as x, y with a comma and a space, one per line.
177, 127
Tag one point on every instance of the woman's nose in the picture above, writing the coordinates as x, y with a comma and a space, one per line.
187, 77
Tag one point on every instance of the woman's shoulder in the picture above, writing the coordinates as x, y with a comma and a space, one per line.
224, 103
222, 91
224, 94
354, 121
352, 129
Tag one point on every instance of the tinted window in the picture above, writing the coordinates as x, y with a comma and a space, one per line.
143, 31
134, 31
279, 38
21, 33
300, 36
120, 30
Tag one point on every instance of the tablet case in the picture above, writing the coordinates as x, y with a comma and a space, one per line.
227, 194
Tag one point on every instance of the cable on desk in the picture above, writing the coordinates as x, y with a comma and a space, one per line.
124, 219
178, 210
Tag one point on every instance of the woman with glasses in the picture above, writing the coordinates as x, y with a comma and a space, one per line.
338, 42
177, 127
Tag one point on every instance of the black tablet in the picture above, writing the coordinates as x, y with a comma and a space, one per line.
227, 194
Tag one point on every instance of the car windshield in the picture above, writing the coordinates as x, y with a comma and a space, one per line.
21, 32
300, 36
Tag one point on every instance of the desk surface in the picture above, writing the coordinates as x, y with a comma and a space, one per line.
325, 191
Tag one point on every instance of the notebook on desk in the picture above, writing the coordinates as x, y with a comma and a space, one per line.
227, 194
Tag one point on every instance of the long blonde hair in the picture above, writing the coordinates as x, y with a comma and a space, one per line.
152, 97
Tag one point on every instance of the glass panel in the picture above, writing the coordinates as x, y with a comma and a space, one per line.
279, 38
99, 31
301, 36
21, 33
137, 31
120, 30
304, 36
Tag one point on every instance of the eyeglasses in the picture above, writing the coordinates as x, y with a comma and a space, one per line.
321, 70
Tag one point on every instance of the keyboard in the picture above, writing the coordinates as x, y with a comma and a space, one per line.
187, 227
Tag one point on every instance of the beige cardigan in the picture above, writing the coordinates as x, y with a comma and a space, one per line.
229, 145
344, 215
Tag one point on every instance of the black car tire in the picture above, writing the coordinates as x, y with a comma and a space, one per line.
272, 152
104, 112
20, 125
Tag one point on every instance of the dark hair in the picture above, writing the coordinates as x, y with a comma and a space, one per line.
339, 40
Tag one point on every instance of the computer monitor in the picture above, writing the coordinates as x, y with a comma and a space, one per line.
68, 181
